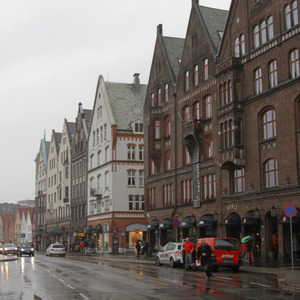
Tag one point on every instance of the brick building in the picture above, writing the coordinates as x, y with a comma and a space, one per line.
229, 164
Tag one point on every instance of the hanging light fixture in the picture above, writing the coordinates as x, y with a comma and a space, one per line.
273, 211
256, 213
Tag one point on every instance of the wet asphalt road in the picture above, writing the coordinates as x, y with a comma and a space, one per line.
42, 277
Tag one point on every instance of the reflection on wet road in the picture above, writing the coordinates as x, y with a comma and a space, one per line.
42, 277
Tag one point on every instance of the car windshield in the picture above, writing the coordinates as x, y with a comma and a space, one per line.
58, 246
10, 245
224, 244
25, 245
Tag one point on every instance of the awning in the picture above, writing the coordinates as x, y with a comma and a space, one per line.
186, 223
97, 229
152, 225
232, 219
205, 221
136, 227
165, 224
286, 220
249, 219
88, 229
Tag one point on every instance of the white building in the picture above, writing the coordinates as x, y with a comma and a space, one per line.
116, 166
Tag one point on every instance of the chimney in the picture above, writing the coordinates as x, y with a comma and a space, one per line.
159, 30
136, 82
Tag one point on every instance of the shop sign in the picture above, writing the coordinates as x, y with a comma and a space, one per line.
137, 230
80, 234
123, 233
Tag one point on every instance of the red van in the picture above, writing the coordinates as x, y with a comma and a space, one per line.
227, 252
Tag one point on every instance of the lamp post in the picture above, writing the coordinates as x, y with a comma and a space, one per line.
273, 211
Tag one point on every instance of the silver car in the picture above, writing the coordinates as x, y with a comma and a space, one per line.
170, 254
56, 249
10, 248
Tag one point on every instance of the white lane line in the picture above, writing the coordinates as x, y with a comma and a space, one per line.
263, 285
83, 296
71, 287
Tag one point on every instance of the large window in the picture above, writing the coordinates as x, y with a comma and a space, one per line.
291, 15
186, 114
208, 146
239, 180
269, 124
152, 99
187, 190
196, 75
168, 196
271, 173
205, 69
131, 177
157, 129
166, 93
159, 102
263, 32
168, 160
294, 63
167, 126
258, 80
273, 74
151, 198
186, 81
209, 186
208, 107
197, 110
131, 152
136, 202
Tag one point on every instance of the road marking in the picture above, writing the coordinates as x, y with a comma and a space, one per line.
225, 278
61, 280
120, 272
71, 287
83, 296
137, 277
264, 285
159, 282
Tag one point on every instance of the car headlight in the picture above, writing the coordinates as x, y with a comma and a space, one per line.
32, 249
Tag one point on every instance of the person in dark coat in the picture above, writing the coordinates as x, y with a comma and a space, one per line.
138, 248
205, 251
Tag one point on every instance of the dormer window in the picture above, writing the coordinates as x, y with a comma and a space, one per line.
138, 127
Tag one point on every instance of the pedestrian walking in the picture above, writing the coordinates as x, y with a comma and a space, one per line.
81, 246
86, 246
188, 248
205, 251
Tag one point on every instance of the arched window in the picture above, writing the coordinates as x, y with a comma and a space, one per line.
196, 75
270, 24
197, 110
239, 180
263, 30
208, 107
186, 114
273, 74
269, 124
256, 36
258, 80
167, 126
288, 17
271, 173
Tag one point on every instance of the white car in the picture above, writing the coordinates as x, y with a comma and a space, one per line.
56, 249
170, 254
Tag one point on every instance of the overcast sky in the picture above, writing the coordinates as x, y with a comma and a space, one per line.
51, 54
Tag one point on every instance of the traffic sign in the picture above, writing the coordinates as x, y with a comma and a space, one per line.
176, 222
290, 210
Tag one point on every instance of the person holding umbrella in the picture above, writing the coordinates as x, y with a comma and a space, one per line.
248, 241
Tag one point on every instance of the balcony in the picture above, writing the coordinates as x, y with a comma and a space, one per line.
191, 131
66, 200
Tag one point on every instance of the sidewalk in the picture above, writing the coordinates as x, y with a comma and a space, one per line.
286, 279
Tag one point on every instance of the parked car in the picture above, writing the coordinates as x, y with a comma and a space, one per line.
170, 254
1, 248
10, 248
227, 252
56, 249
26, 248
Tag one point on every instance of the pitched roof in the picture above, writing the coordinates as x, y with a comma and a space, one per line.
71, 129
88, 117
174, 48
126, 103
214, 21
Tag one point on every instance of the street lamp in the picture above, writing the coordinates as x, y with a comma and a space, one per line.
256, 213
273, 211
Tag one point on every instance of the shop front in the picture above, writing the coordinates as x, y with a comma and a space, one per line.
187, 226
207, 225
135, 232
233, 225
152, 228
166, 232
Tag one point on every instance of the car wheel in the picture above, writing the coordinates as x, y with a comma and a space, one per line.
50, 255
157, 261
32, 254
172, 263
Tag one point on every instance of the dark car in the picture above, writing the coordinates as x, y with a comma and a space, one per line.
26, 249
10, 248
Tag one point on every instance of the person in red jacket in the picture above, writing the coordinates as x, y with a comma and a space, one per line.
188, 248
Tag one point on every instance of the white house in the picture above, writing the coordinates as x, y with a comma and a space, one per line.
116, 166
